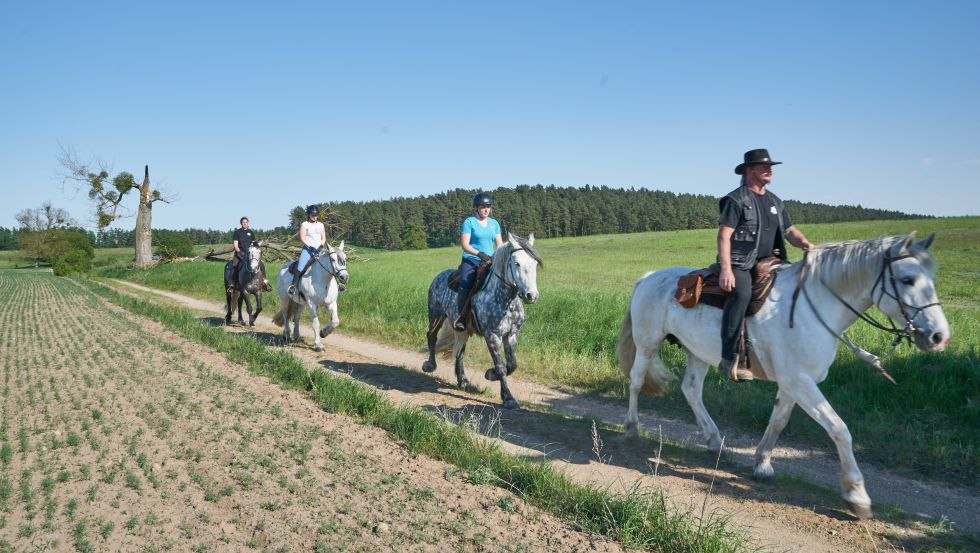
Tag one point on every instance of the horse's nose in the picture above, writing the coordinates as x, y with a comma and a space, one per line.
343, 276
939, 339
530, 296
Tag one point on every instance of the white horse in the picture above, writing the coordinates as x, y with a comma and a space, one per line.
319, 286
792, 347
498, 310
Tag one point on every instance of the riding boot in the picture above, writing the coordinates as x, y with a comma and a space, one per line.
462, 305
732, 370
293, 289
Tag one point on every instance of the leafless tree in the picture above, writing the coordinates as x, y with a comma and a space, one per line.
44, 218
108, 198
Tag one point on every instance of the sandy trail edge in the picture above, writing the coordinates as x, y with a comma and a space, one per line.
931, 501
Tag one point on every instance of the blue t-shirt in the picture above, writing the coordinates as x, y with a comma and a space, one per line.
482, 238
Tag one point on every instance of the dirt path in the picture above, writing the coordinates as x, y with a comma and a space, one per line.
781, 516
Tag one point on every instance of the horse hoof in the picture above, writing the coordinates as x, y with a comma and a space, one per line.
862, 512
511, 404
631, 431
491, 375
318, 348
763, 473
429, 366
467, 386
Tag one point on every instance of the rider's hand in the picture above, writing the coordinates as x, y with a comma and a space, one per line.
726, 280
483, 257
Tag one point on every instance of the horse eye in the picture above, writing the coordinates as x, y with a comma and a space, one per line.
908, 281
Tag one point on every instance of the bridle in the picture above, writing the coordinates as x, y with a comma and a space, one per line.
909, 312
333, 262
512, 288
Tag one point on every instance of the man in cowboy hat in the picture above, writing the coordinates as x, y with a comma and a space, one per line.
753, 225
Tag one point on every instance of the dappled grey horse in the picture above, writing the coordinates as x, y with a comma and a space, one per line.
794, 347
250, 281
498, 313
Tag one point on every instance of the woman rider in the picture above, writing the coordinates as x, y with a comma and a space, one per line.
313, 236
479, 237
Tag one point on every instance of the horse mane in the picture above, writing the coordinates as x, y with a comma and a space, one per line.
527, 247
845, 261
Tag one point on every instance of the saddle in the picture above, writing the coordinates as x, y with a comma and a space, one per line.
292, 266
701, 286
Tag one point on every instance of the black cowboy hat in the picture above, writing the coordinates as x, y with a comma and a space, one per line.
753, 157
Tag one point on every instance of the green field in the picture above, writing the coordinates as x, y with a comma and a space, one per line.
927, 425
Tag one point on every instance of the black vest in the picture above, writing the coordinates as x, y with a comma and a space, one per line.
745, 239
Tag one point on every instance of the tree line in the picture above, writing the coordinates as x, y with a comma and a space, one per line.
550, 212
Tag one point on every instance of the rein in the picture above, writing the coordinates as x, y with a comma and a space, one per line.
330, 271
900, 334
512, 288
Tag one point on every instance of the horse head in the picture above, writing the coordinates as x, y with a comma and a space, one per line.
519, 262
906, 291
254, 257
338, 262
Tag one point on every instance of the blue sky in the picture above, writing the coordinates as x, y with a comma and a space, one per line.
256, 107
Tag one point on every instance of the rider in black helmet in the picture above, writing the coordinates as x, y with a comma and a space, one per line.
479, 237
313, 236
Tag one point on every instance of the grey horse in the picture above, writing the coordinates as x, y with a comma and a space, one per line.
498, 313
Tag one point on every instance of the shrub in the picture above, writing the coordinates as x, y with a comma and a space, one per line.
172, 245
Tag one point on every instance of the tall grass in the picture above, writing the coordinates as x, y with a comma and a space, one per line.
927, 425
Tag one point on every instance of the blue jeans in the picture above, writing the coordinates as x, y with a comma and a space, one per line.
304, 258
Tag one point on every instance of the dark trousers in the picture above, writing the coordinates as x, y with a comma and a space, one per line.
467, 273
734, 313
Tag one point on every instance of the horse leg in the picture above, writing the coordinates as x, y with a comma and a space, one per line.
809, 397
498, 372
693, 388
459, 348
641, 363
228, 304
510, 352
781, 410
248, 303
258, 309
315, 319
334, 320
296, 310
431, 336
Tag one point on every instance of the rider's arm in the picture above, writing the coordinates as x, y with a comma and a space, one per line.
498, 241
234, 245
464, 242
797, 239
726, 280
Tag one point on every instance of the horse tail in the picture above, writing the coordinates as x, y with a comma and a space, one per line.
445, 341
279, 319
626, 348
655, 380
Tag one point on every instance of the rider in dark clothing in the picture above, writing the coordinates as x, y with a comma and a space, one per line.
242, 239
753, 224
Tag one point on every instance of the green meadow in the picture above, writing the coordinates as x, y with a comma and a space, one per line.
927, 425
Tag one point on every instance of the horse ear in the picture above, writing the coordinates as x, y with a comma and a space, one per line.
341, 246
510, 238
926, 242
530, 239
902, 246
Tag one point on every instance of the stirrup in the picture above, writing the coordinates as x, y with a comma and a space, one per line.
732, 370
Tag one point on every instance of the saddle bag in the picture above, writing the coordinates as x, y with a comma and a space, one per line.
688, 292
